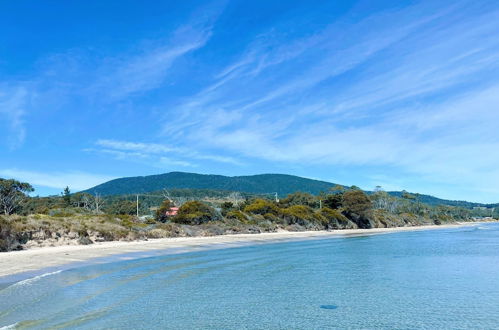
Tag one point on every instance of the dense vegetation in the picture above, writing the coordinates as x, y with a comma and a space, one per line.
83, 218
257, 184
254, 184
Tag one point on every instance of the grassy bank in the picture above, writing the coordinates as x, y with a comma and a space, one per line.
21, 232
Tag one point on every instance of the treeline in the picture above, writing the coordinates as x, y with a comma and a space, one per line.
14, 199
339, 208
83, 218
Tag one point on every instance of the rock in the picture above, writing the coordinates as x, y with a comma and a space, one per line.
85, 241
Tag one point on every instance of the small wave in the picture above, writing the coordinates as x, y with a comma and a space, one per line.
32, 280
10, 327
483, 228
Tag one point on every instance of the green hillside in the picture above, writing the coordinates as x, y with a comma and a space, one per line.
254, 184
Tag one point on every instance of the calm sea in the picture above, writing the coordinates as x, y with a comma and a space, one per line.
435, 279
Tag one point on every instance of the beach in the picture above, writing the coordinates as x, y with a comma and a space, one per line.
17, 262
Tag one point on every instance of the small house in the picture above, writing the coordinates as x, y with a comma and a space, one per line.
171, 212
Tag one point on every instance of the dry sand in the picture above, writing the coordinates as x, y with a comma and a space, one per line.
17, 262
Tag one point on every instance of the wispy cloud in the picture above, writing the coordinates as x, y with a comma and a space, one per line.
76, 180
421, 96
160, 153
13, 103
75, 75
123, 78
405, 90
148, 148
126, 76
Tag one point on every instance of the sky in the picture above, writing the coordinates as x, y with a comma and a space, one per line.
400, 94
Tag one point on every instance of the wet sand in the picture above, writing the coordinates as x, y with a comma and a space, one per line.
17, 262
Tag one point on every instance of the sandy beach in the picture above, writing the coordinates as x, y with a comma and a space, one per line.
17, 262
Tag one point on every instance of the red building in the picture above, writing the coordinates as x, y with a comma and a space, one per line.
172, 211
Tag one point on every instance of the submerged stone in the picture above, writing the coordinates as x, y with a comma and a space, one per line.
329, 306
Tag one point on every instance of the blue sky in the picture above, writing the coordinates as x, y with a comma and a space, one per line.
402, 94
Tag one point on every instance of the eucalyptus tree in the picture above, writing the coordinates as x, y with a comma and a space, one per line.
13, 194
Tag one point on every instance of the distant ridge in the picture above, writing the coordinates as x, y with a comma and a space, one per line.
283, 184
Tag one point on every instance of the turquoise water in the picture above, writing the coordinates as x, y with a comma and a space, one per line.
446, 278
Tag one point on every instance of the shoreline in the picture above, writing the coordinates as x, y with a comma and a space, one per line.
28, 262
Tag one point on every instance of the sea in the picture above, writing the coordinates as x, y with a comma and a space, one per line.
431, 279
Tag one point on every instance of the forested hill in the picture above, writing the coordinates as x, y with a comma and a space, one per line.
256, 184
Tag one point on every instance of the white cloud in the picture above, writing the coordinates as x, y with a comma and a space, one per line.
74, 179
427, 106
161, 153
123, 77
13, 103
150, 148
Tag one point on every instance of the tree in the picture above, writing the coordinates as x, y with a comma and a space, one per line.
66, 196
82, 200
357, 202
333, 201
236, 198
12, 195
122, 207
195, 213
408, 196
98, 203
337, 189
300, 198
165, 206
227, 207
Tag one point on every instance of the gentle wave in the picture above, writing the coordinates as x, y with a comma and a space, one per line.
32, 280
10, 327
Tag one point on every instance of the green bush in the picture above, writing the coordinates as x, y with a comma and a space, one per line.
195, 213
334, 219
302, 215
300, 198
165, 206
262, 206
61, 213
237, 215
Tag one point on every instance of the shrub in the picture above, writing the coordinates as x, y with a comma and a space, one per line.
302, 215
195, 213
61, 213
262, 206
237, 215
335, 220
300, 198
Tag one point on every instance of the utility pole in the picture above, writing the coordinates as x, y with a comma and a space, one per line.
97, 202
137, 205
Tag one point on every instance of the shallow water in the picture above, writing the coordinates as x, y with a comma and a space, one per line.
446, 278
